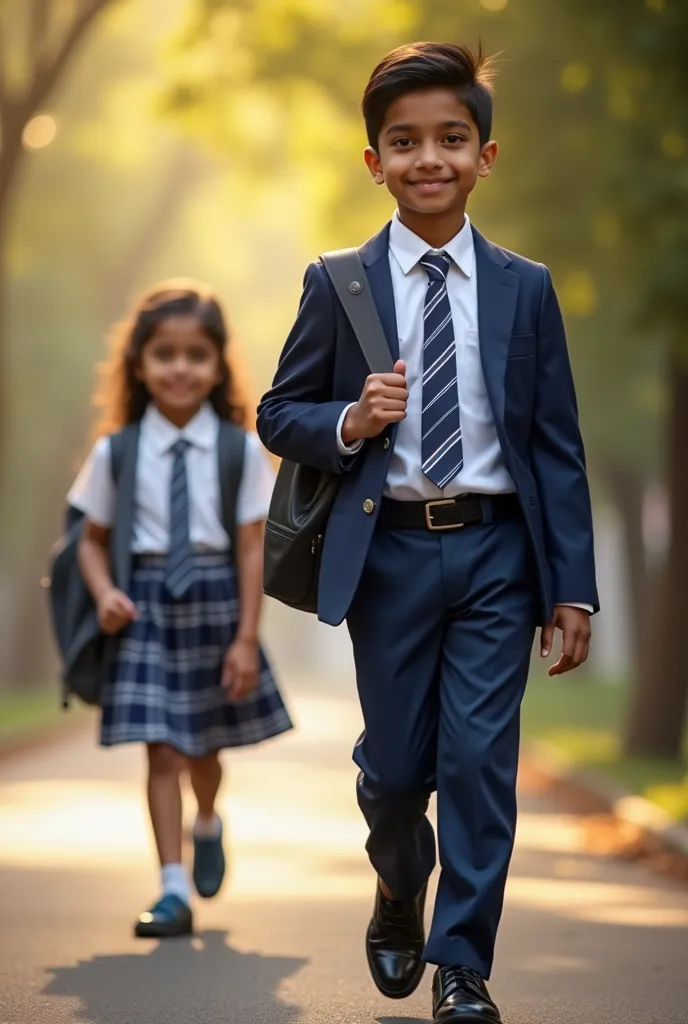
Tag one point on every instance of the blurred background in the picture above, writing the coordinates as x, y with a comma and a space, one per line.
221, 139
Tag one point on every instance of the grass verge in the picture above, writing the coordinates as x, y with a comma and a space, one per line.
23, 716
583, 718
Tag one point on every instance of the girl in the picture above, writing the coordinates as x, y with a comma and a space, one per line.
189, 677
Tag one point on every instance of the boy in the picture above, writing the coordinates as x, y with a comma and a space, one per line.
462, 521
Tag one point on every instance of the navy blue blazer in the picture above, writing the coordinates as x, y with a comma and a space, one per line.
530, 387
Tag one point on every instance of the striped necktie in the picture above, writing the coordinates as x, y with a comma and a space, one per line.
441, 447
179, 570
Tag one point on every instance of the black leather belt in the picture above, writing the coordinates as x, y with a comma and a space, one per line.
448, 513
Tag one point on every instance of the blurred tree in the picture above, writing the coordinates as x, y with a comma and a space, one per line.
38, 39
641, 57
116, 201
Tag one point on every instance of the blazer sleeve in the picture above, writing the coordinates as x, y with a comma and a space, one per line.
558, 462
298, 418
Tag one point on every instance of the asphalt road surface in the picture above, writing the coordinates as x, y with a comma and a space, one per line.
584, 940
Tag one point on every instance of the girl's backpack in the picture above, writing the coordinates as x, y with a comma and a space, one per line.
85, 651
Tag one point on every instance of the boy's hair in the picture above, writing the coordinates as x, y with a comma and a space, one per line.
419, 66
122, 397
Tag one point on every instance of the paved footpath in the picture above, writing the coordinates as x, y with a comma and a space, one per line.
584, 940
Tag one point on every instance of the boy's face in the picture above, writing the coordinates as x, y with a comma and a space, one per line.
429, 154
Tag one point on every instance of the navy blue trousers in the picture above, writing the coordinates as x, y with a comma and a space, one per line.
442, 627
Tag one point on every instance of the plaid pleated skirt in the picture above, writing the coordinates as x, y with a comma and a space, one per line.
165, 682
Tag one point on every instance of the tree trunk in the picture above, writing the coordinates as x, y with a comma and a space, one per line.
627, 489
11, 154
660, 701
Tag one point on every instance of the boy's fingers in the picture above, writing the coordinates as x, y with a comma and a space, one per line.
390, 391
582, 650
394, 405
392, 380
400, 367
568, 646
565, 664
546, 638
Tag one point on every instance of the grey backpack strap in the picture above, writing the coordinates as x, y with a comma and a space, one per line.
350, 282
231, 448
124, 448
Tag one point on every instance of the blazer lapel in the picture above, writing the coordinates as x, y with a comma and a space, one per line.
375, 258
497, 299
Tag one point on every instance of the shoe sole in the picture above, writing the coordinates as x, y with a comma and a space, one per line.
394, 993
461, 1018
160, 931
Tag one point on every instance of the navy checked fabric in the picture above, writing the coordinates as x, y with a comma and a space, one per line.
180, 562
165, 682
442, 449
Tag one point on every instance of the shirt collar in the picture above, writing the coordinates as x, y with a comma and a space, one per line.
408, 249
201, 431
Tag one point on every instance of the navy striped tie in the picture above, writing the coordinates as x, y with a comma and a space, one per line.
441, 448
179, 570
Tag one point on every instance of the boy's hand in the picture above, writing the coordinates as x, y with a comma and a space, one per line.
115, 611
383, 402
241, 669
575, 625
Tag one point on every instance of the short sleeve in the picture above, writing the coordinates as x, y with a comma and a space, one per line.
93, 491
257, 483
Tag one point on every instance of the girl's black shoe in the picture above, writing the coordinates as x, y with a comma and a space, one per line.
169, 917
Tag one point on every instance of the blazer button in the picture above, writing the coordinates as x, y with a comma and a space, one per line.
368, 506
386, 443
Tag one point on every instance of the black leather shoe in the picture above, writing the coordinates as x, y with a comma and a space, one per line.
395, 943
166, 919
460, 996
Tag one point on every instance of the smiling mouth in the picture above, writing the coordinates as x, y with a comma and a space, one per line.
431, 185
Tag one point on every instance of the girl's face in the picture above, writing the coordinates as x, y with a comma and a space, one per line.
179, 366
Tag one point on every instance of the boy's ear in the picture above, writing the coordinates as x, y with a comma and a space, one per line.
488, 155
374, 165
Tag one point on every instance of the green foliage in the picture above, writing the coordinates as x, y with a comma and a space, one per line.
276, 85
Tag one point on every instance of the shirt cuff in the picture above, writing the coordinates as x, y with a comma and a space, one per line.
347, 449
575, 604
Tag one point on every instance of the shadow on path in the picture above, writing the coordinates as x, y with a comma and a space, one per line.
403, 1020
181, 981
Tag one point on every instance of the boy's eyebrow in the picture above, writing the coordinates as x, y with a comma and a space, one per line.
412, 127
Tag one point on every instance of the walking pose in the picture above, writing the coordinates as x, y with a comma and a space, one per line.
188, 676
462, 520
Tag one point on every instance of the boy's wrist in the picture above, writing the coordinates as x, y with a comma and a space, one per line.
351, 428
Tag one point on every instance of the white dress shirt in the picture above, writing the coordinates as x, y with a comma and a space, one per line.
484, 470
94, 492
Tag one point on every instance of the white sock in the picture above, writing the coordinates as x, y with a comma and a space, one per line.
207, 828
175, 882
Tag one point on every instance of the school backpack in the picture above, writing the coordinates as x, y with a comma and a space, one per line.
303, 496
85, 651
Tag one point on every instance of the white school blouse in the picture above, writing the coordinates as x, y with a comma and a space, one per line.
93, 492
